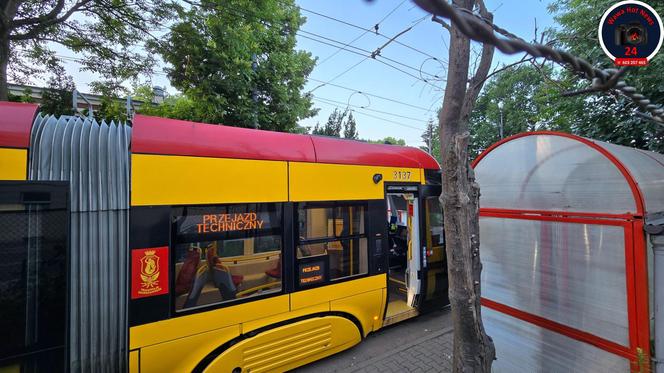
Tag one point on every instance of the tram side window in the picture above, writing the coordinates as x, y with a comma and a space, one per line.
335, 234
226, 252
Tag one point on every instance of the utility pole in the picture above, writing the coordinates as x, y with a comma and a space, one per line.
254, 92
500, 129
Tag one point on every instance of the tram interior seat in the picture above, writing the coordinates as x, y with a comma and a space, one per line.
254, 271
253, 268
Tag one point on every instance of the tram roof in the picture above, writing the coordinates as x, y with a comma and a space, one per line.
155, 135
15, 123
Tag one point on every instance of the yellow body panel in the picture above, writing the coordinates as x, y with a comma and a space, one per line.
260, 323
289, 346
324, 294
13, 368
182, 355
134, 361
367, 307
179, 327
13, 164
329, 182
177, 180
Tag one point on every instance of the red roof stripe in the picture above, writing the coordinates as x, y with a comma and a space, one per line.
153, 135
15, 123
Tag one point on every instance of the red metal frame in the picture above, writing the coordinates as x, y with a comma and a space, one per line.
636, 266
558, 215
565, 330
636, 284
636, 313
641, 286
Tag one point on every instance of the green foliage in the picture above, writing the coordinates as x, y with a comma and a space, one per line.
532, 95
235, 61
350, 127
529, 103
176, 106
57, 97
601, 116
26, 96
431, 138
333, 126
104, 32
388, 140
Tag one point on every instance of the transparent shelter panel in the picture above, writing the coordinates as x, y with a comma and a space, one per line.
525, 347
647, 168
570, 273
548, 172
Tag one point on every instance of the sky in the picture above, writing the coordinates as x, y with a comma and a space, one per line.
385, 101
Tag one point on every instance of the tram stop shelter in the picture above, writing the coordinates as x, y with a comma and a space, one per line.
567, 282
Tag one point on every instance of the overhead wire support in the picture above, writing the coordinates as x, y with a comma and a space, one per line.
376, 26
393, 38
369, 109
365, 29
373, 95
358, 111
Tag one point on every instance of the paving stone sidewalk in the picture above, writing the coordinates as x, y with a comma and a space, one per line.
430, 354
423, 344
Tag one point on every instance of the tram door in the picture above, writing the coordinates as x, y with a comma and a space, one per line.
405, 254
33, 275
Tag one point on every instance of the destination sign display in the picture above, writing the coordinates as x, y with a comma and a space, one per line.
212, 223
312, 273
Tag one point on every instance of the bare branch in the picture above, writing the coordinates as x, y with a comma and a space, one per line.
442, 22
482, 71
41, 27
42, 18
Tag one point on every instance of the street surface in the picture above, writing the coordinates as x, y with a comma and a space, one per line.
422, 344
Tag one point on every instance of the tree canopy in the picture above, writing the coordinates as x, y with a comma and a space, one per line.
108, 34
606, 117
235, 63
532, 93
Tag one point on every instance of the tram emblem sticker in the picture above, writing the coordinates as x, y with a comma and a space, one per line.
149, 269
631, 33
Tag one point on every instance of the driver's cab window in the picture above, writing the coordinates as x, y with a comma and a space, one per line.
332, 242
226, 252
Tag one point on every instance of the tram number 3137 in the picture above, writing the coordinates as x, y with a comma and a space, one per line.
401, 175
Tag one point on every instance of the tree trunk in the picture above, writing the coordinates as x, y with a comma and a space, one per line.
473, 349
4, 62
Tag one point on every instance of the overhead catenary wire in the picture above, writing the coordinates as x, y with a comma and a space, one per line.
380, 60
362, 34
272, 25
377, 33
369, 109
373, 95
358, 111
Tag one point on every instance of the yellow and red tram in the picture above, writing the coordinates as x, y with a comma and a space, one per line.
244, 250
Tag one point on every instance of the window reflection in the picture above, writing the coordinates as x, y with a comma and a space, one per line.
338, 233
236, 253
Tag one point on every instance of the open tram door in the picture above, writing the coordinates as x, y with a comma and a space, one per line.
404, 253
434, 261
417, 272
